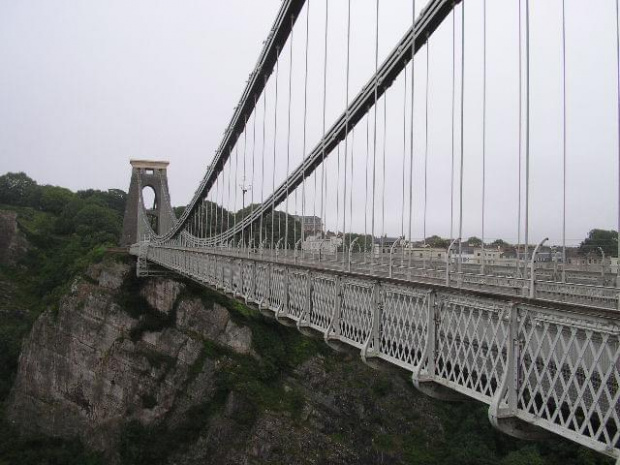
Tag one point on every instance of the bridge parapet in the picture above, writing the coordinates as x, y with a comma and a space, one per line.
539, 367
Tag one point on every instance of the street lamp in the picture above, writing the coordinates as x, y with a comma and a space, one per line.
244, 190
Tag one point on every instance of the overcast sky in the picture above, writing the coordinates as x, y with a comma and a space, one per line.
85, 86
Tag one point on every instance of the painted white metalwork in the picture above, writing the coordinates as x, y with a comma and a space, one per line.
538, 368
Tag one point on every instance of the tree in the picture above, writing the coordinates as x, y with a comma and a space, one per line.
112, 198
474, 241
54, 199
17, 189
438, 242
606, 240
500, 243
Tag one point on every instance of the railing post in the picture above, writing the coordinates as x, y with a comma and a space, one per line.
449, 260
533, 268
374, 334
350, 252
433, 325
240, 274
424, 373
252, 296
390, 273
269, 286
335, 319
285, 297
301, 322
504, 404
337, 306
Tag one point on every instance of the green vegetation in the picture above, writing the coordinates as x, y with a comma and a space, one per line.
600, 239
256, 382
153, 445
469, 439
65, 231
42, 450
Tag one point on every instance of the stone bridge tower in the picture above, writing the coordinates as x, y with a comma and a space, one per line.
138, 217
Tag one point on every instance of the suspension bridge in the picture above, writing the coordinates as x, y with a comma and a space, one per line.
294, 211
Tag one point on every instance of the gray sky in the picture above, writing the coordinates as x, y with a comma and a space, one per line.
85, 86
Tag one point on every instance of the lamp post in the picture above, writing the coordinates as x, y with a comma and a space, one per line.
245, 188
602, 263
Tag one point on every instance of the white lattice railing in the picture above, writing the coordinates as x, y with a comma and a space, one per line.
553, 369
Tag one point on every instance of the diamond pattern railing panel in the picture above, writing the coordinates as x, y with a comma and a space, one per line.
471, 341
299, 289
237, 276
322, 308
247, 278
276, 296
403, 326
569, 376
262, 283
356, 311
212, 270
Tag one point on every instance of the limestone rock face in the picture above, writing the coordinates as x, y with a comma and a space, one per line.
214, 324
188, 368
89, 369
238, 338
12, 243
161, 293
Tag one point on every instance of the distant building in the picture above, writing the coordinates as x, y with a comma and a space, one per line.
310, 224
384, 245
328, 245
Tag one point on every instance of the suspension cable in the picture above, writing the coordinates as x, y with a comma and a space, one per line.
212, 195
351, 187
366, 197
275, 139
288, 135
618, 76
305, 126
453, 125
527, 130
413, 16
216, 208
346, 139
383, 174
243, 179
402, 210
563, 143
462, 134
520, 154
323, 212
484, 128
253, 166
428, 63
374, 160
236, 186
231, 194
337, 191
262, 175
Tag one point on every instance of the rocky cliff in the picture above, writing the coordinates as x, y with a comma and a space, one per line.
12, 243
163, 372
